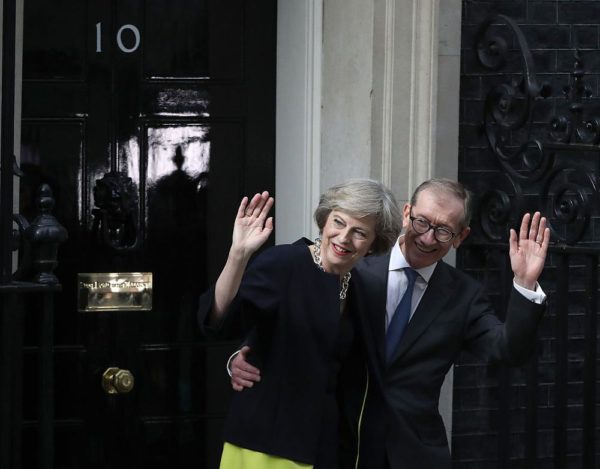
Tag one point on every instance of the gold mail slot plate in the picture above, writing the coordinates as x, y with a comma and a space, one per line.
115, 291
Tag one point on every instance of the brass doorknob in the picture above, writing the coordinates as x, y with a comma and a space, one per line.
117, 381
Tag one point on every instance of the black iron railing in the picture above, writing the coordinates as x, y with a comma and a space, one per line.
14, 299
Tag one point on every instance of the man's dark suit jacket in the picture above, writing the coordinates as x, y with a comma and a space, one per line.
401, 422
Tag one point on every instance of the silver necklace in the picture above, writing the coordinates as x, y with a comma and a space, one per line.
345, 278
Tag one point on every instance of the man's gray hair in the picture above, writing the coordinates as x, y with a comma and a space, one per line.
454, 188
361, 198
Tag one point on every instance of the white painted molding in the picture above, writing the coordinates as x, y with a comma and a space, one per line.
298, 120
424, 84
387, 129
405, 81
19, 12
346, 118
313, 76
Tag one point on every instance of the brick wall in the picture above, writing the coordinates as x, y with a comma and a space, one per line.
542, 414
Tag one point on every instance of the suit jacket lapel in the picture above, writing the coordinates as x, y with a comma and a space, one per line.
432, 304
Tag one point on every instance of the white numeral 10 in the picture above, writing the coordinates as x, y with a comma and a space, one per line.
123, 47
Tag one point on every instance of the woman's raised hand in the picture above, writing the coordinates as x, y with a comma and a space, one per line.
252, 227
250, 230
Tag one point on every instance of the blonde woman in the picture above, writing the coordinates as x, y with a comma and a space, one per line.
293, 298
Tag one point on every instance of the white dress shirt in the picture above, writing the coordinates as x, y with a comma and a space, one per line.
397, 283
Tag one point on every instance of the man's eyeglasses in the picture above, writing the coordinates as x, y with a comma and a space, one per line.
422, 226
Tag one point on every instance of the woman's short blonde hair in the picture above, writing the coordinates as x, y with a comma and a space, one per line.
362, 198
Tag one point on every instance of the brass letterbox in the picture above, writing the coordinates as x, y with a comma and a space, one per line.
115, 291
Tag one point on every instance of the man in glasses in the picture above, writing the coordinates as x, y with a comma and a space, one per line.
415, 315
448, 312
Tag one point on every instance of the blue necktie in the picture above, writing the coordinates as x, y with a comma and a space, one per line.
401, 316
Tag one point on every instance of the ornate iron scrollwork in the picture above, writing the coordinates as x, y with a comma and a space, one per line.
115, 220
539, 161
570, 204
576, 128
499, 205
510, 106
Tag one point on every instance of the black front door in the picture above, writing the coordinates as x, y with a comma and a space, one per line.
149, 119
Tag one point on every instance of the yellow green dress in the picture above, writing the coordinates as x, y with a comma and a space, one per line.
234, 457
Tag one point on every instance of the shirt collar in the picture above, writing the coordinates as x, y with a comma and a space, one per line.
397, 262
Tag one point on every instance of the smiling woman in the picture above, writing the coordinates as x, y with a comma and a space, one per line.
293, 301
